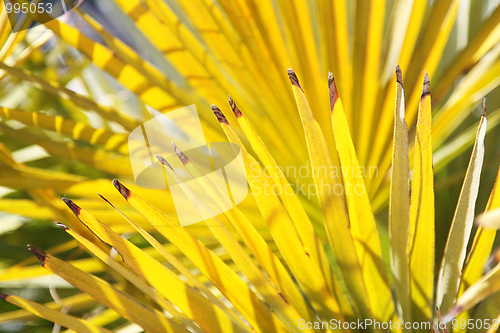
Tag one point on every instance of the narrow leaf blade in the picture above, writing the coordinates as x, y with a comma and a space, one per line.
456, 245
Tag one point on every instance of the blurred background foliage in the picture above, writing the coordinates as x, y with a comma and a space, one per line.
41, 160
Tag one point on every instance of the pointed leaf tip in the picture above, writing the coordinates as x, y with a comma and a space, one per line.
399, 75
3, 296
163, 161
62, 226
218, 113
484, 106
184, 159
334, 96
293, 78
121, 188
38, 253
235, 109
426, 88
103, 198
74, 208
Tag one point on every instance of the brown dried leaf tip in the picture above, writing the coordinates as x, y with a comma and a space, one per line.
74, 208
484, 106
426, 89
235, 109
399, 75
39, 254
3, 296
293, 78
334, 95
220, 116
163, 161
184, 159
122, 189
